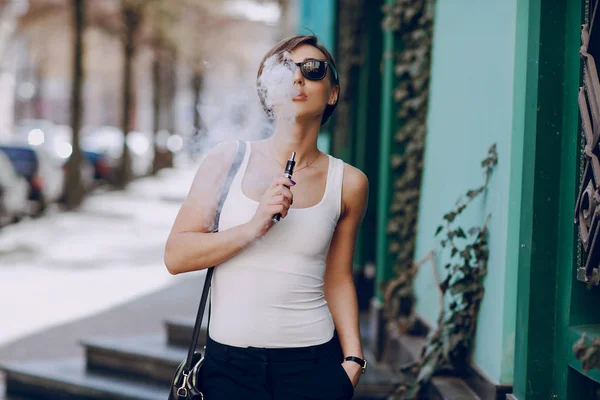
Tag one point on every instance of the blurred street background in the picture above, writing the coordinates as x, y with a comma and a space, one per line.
106, 109
84, 216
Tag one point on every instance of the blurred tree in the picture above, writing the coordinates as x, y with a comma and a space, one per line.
198, 37
153, 23
162, 16
74, 189
186, 28
123, 18
10, 11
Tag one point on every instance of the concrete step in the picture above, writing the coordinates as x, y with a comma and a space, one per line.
450, 388
378, 382
180, 329
69, 380
145, 357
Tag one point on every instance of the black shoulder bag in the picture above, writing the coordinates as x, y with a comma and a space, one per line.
187, 382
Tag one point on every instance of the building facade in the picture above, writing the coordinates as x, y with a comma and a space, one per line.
505, 73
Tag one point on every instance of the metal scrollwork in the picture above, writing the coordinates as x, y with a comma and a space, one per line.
587, 211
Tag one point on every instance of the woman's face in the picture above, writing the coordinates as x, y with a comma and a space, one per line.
314, 95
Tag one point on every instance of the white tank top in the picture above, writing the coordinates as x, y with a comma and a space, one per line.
271, 293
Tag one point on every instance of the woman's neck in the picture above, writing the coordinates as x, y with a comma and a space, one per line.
301, 138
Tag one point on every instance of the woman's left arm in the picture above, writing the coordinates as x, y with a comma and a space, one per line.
340, 291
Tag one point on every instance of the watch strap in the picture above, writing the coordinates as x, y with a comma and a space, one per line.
359, 361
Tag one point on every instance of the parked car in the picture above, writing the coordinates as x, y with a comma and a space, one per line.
45, 176
35, 132
61, 147
14, 192
57, 141
108, 140
102, 169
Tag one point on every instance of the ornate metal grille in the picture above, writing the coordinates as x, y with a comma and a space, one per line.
587, 209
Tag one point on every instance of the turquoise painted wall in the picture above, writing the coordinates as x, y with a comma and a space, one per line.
474, 90
319, 16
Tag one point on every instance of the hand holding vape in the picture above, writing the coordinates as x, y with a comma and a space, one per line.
289, 170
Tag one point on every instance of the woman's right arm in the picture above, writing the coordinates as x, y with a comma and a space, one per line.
191, 245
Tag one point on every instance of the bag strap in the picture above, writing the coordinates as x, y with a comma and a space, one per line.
239, 157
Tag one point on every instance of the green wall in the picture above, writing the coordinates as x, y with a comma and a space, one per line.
474, 87
320, 17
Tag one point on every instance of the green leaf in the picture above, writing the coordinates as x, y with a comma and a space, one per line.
466, 253
445, 283
438, 230
450, 216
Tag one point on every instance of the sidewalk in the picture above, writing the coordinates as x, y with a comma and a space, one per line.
66, 266
140, 316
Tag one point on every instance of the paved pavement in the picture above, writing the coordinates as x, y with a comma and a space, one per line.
70, 265
140, 316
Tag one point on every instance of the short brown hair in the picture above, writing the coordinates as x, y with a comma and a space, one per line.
290, 44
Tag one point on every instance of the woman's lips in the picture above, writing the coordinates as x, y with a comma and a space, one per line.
299, 97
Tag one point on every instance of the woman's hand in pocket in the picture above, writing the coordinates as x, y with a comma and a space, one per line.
353, 370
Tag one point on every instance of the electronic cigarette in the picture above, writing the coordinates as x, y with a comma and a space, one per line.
289, 170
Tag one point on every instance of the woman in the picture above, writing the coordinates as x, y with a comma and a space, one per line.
284, 312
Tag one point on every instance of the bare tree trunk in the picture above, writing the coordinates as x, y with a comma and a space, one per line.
199, 133
170, 101
172, 89
285, 28
131, 19
197, 87
74, 190
156, 109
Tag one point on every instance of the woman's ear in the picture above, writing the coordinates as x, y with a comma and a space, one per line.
333, 97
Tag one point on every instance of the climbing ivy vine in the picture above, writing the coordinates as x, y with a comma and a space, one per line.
411, 21
588, 353
462, 290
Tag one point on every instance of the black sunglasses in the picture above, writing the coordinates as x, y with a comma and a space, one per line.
316, 70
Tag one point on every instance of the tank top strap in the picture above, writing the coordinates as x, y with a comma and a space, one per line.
239, 176
336, 177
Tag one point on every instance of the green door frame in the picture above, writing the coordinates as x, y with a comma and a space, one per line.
389, 124
365, 136
547, 63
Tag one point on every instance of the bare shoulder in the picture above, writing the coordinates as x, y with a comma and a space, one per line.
198, 210
214, 165
222, 151
355, 189
354, 178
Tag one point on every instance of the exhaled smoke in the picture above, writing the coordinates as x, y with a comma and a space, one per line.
276, 86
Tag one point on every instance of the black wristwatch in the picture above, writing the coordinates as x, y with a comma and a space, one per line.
359, 361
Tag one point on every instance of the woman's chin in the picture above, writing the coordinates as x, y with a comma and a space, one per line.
295, 112
303, 112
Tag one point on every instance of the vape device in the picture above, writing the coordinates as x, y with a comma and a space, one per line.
289, 170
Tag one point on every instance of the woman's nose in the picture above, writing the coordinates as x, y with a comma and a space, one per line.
298, 77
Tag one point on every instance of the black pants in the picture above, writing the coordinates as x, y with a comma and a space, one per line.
311, 373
